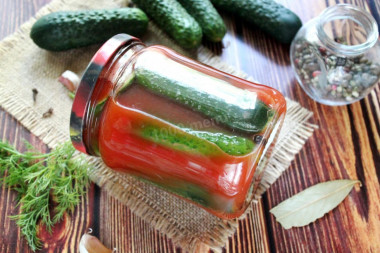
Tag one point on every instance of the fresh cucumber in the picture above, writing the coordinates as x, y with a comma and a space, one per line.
273, 18
193, 141
208, 18
65, 30
236, 108
173, 19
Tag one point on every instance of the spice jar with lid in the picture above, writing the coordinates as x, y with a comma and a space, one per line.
192, 130
336, 56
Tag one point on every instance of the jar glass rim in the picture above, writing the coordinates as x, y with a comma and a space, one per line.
85, 100
356, 14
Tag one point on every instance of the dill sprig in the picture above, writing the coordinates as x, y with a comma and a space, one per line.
40, 180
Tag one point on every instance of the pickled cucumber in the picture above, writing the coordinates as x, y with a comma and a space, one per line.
193, 141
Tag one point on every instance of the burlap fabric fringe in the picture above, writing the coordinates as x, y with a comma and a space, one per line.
24, 66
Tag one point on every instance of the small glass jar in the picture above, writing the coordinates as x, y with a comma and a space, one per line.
336, 56
192, 130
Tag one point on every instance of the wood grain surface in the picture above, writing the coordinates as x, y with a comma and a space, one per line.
347, 145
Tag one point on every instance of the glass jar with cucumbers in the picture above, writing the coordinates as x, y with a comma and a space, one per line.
190, 129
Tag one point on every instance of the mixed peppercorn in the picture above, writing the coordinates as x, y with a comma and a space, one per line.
345, 78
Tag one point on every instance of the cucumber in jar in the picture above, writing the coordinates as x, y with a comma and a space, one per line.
193, 141
238, 109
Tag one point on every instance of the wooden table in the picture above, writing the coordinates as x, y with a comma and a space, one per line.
347, 145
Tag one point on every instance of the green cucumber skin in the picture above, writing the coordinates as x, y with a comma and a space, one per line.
232, 145
208, 18
176, 140
194, 141
273, 18
226, 114
65, 30
186, 190
173, 19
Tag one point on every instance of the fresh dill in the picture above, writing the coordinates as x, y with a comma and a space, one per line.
58, 179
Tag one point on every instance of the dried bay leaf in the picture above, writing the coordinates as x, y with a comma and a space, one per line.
312, 203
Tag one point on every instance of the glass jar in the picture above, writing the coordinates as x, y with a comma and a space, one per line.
183, 126
336, 56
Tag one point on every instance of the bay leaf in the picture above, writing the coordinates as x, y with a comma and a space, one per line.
312, 203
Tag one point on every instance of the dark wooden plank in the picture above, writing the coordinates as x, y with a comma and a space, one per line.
347, 145
67, 234
65, 237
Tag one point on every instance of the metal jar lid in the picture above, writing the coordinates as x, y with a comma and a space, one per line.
84, 100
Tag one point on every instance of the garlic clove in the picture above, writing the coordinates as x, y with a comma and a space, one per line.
70, 80
91, 244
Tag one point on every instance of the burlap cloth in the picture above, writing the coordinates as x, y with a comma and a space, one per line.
24, 66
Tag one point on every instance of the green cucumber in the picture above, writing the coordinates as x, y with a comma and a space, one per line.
185, 189
232, 145
193, 192
236, 108
193, 141
173, 19
65, 30
271, 17
208, 18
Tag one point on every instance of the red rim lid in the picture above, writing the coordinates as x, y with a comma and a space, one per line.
84, 100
